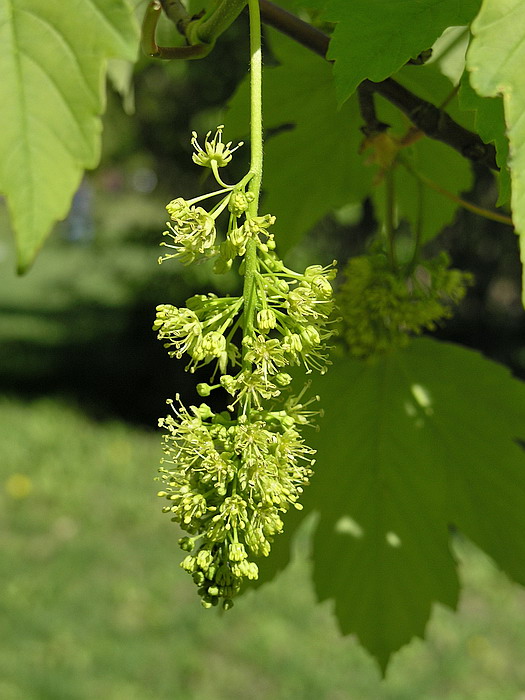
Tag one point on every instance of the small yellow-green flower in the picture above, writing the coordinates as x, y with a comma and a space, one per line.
214, 151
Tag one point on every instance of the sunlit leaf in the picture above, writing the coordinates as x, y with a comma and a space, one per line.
495, 60
375, 38
52, 63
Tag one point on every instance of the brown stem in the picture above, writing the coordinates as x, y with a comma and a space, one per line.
295, 28
436, 123
481, 211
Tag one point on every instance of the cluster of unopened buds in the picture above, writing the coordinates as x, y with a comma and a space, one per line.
382, 308
229, 476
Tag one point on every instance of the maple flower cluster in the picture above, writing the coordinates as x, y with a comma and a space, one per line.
382, 308
228, 477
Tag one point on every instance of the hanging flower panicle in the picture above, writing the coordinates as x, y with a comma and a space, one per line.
229, 477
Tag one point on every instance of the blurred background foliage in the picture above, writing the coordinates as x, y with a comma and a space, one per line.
94, 602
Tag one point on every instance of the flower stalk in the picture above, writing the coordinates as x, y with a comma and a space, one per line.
256, 165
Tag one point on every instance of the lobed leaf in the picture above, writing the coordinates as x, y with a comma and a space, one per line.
53, 63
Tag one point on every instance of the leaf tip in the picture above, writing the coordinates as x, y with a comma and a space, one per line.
25, 261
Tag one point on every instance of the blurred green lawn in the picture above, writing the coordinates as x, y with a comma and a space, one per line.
94, 604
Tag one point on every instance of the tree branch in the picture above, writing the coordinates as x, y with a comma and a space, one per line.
295, 28
367, 108
436, 123
428, 118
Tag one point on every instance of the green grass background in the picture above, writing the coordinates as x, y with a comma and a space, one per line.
94, 604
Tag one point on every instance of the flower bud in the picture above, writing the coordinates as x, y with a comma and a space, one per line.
266, 319
236, 552
239, 202
214, 343
322, 286
293, 343
198, 578
310, 336
313, 270
203, 412
282, 379
186, 544
204, 559
188, 564
177, 208
228, 382
237, 238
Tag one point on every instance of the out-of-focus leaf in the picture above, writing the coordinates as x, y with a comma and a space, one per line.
433, 159
120, 73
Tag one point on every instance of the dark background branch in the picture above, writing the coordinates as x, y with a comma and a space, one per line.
367, 108
431, 120
436, 123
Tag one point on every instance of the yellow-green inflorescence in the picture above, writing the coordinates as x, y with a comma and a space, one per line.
382, 308
230, 476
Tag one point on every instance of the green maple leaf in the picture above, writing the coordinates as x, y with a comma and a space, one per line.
421, 441
53, 63
375, 38
495, 60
